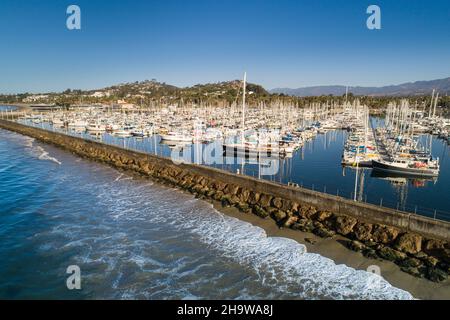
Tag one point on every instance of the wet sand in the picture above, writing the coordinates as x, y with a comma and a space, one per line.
335, 250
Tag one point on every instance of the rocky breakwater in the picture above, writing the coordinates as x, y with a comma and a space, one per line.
414, 253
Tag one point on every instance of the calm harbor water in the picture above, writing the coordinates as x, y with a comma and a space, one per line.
7, 108
133, 239
317, 166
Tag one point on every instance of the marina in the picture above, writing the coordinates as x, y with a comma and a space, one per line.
312, 152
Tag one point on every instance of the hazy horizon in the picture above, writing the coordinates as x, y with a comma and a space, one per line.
226, 80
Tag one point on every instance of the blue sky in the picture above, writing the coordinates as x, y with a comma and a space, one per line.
280, 43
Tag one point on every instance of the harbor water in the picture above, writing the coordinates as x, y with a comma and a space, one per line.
317, 166
7, 108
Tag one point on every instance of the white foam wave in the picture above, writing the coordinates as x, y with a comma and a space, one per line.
281, 263
44, 155
20, 139
119, 178
28, 141
288, 264
36, 151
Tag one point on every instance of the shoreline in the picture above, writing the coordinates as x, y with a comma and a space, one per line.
331, 248
196, 183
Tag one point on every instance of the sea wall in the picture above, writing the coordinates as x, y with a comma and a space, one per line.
419, 245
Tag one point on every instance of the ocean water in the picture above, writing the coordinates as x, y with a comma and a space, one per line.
133, 239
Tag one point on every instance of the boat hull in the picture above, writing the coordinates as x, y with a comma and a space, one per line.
364, 163
237, 151
386, 167
176, 138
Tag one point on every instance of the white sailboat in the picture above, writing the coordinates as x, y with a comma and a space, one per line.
176, 136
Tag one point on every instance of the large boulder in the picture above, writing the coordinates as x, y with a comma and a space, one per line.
412, 271
384, 234
289, 221
411, 262
344, 224
254, 198
211, 193
436, 274
390, 254
355, 245
260, 212
265, 200
244, 195
437, 248
197, 188
363, 231
234, 200
242, 206
279, 215
370, 253
304, 225
433, 244
431, 261
322, 215
218, 195
277, 202
231, 189
409, 243
306, 211
321, 231
219, 186
226, 200
288, 205
294, 206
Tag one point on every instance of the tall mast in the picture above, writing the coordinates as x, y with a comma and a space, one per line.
243, 108
435, 103
346, 93
431, 104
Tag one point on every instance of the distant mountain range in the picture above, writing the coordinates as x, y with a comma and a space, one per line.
405, 89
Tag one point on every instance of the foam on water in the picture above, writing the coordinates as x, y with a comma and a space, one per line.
282, 263
43, 155
36, 151
288, 264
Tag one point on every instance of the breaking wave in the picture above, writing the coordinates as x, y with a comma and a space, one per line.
280, 263
44, 155
36, 151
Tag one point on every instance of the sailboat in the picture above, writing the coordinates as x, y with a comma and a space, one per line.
254, 147
404, 155
176, 136
408, 166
